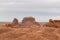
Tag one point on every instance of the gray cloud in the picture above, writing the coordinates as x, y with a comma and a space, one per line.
20, 8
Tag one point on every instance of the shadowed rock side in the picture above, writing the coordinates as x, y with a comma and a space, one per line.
53, 23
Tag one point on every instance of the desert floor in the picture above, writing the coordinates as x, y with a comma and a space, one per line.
41, 33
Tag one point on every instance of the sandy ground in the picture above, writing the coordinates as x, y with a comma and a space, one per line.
41, 33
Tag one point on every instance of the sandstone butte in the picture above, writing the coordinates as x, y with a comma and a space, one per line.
29, 29
26, 22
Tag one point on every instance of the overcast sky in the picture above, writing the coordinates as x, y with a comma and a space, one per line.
42, 10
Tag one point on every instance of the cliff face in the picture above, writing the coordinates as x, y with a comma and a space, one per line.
29, 22
28, 19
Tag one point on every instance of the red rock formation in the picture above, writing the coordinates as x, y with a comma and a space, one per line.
29, 22
15, 22
28, 19
26, 22
56, 20
50, 20
53, 23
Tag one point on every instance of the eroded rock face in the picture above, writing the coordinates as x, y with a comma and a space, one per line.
15, 21
29, 22
53, 23
8, 25
28, 19
50, 20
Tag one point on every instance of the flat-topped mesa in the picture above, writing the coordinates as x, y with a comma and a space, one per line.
29, 22
15, 22
28, 19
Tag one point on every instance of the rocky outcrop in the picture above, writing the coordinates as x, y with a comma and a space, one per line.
28, 19
15, 22
50, 20
29, 22
53, 23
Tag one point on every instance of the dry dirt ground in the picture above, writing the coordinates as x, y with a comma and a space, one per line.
41, 33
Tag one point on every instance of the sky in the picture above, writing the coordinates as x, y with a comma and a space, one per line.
42, 10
